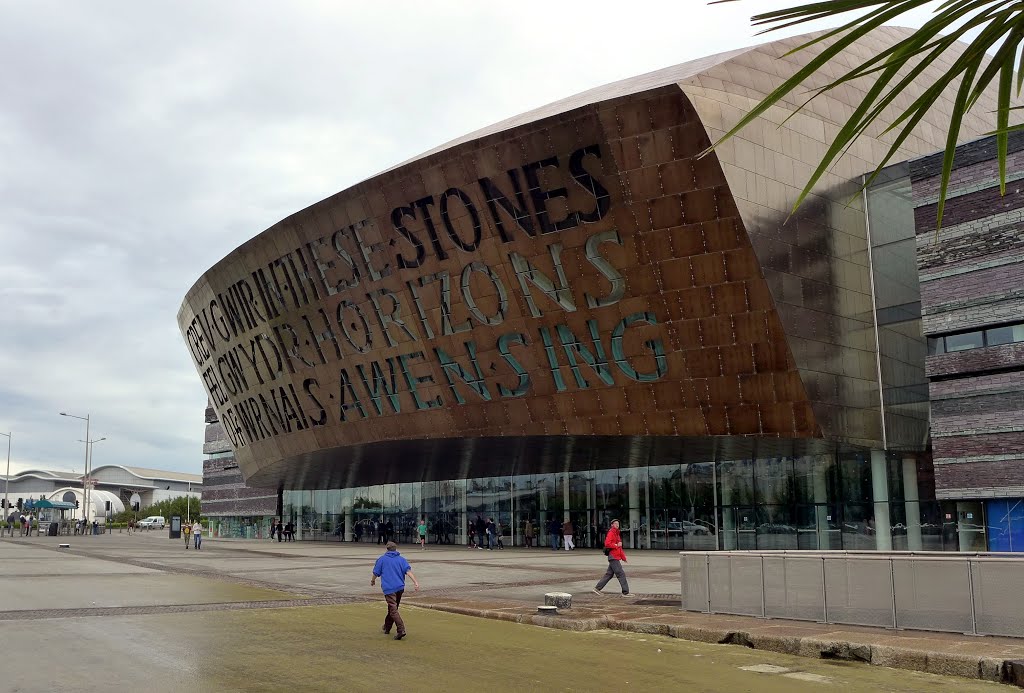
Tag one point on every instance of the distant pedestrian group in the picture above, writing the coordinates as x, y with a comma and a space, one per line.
485, 534
285, 532
385, 532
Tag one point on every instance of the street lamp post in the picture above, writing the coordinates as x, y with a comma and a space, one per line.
89, 446
85, 479
7, 479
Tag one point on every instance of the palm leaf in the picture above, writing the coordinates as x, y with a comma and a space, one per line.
989, 57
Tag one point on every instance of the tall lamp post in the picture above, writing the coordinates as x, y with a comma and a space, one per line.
7, 479
85, 478
88, 447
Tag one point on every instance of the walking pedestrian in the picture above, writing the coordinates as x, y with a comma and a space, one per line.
197, 534
528, 534
186, 531
567, 535
392, 568
389, 531
422, 530
554, 530
489, 532
616, 557
498, 533
481, 531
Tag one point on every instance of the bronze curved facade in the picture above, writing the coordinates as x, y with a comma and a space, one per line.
570, 287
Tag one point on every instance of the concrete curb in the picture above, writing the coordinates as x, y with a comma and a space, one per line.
946, 663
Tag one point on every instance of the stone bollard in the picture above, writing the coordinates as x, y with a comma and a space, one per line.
547, 610
562, 600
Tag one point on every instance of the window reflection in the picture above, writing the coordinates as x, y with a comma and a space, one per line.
771, 502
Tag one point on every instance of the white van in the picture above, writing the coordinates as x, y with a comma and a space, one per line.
153, 521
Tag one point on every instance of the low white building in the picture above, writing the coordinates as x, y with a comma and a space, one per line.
114, 484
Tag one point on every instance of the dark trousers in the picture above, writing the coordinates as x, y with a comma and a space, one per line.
554, 542
393, 617
614, 569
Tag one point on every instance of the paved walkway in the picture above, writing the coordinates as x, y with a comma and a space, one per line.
507, 585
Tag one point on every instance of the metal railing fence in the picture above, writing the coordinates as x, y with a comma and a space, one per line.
981, 594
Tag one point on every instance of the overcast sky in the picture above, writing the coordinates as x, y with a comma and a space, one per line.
140, 142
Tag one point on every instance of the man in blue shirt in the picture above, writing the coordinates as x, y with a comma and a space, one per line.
392, 568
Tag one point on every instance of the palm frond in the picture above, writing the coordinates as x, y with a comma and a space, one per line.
990, 57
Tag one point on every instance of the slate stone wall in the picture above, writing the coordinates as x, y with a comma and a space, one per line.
224, 491
972, 278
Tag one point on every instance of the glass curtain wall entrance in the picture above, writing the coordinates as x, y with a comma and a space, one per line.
853, 500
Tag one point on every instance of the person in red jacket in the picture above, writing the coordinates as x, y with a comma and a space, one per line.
616, 557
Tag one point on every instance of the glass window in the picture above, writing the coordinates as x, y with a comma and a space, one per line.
698, 486
665, 484
895, 270
774, 481
737, 482
858, 527
967, 340
855, 477
936, 346
1000, 335
891, 207
775, 528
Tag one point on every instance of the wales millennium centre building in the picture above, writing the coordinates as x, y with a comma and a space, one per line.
572, 315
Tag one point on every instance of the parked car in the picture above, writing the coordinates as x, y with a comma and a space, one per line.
687, 527
153, 521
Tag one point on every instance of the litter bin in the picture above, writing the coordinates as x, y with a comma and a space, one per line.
51, 531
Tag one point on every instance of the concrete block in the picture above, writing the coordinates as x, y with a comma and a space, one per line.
898, 657
783, 644
952, 664
990, 669
698, 633
562, 600
642, 627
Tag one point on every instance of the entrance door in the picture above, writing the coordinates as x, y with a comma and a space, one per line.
970, 526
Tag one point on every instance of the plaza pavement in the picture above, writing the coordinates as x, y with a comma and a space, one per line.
147, 575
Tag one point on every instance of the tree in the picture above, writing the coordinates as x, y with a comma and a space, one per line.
999, 28
165, 508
